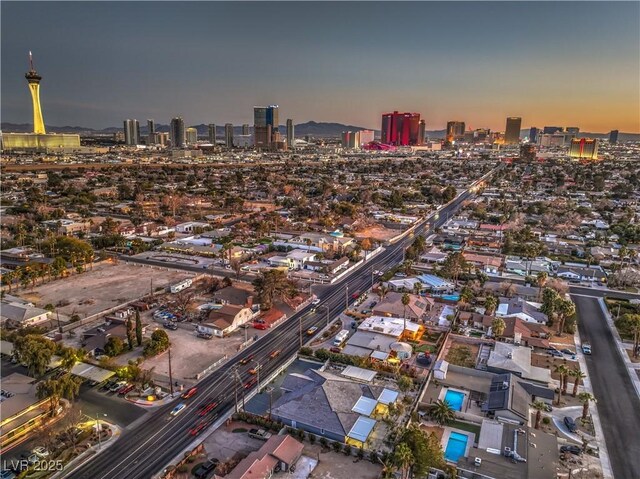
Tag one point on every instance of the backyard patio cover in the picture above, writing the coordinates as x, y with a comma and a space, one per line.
362, 428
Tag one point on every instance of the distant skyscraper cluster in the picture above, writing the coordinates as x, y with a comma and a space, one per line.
266, 126
402, 129
455, 131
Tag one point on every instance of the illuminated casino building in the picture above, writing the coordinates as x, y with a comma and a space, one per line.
455, 131
401, 129
584, 148
39, 140
512, 130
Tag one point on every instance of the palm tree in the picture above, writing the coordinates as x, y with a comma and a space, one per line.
382, 292
578, 375
539, 406
562, 371
585, 398
633, 320
405, 302
542, 280
442, 412
490, 305
498, 326
565, 309
403, 459
417, 287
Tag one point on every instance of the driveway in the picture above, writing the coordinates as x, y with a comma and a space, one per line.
617, 402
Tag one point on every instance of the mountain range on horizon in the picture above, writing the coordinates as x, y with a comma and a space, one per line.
312, 128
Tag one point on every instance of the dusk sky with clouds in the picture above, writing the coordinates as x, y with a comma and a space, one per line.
567, 64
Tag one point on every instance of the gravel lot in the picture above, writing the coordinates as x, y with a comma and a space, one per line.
104, 287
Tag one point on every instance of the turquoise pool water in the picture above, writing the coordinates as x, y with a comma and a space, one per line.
455, 399
451, 297
456, 446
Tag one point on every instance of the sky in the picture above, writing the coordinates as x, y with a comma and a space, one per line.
551, 63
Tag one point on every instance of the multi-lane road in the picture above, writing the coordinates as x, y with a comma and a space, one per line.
144, 450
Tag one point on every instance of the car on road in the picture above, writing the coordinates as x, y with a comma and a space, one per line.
178, 409
275, 354
197, 429
355, 295
247, 359
255, 369
205, 468
311, 331
41, 452
190, 393
207, 408
315, 301
570, 423
586, 348
259, 434
571, 449
250, 383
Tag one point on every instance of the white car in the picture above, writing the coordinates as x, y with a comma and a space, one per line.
315, 301
41, 452
178, 409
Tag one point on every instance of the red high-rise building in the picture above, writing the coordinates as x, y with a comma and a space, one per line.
401, 129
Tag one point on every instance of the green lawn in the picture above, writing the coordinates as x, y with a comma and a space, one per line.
425, 347
465, 426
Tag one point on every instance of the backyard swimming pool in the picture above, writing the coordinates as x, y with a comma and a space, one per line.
455, 399
456, 446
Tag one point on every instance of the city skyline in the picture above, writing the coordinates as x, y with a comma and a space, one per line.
480, 69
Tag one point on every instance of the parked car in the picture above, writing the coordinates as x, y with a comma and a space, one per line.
586, 348
568, 351
570, 423
116, 387
335, 349
571, 449
108, 385
205, 335
170, 325
205, 468
259, 434
128, 388
7, 474
190, 393
260, 326
41, 452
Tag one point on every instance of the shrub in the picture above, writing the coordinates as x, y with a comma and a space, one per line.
324, 442
322, 354
337, 446
373, 457
301, 434
183, 468
347, 449
546, 420
312, 438
360, 453
306, 351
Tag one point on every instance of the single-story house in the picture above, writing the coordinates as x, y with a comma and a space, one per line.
18, 315
225, 320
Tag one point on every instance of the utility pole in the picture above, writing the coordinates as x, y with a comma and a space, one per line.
270, 391
300, 329
234, 374
170, 374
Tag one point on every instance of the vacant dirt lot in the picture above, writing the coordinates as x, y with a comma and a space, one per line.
378, 233
104, 287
